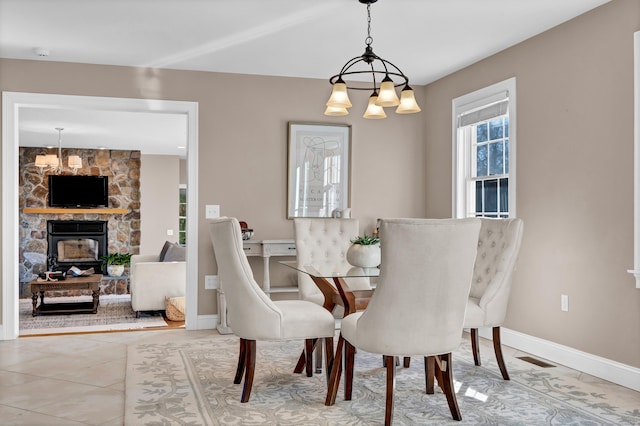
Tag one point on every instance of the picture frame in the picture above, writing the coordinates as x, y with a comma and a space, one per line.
318, 169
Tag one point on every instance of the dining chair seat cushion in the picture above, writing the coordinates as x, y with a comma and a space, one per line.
302, 319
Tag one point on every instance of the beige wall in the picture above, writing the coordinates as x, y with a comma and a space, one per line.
159, 183
243, 141
574, 177
575, 163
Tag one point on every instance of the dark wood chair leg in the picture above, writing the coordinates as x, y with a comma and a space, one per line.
336, 372
302, 362
475, 346
241, 362
438, 374
308, 349
429, 371
250, 369
407, 362
443, 363
349, 359
318, 356
391, 386
497, 347
328, 357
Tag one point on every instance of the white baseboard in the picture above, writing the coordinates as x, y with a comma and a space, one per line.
612, 371
204, 322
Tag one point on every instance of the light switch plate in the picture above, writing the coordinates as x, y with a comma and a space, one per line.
211, 211
169, 232
211, 282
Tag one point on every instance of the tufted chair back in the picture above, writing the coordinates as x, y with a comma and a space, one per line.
323, 240
498, 247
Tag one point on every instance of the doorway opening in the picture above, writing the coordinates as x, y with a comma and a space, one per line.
15, 103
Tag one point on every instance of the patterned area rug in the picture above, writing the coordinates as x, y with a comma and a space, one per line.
192, 384
114, 313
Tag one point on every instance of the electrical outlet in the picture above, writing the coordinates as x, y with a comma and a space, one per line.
211, 282
564, 303
211, 211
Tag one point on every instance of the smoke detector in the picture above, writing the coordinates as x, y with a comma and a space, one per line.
41, 51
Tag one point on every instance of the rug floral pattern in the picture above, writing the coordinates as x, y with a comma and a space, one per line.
191, 384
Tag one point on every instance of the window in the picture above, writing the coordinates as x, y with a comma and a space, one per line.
182, 216
484, 152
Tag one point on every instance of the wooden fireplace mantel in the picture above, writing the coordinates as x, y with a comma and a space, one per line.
54, 210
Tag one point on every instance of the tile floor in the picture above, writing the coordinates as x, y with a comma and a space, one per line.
79, 379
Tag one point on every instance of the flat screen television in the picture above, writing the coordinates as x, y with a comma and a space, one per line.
78, 191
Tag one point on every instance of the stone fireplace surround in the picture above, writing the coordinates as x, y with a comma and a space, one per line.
123, 170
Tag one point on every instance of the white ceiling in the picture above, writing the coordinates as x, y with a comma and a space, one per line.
426, 39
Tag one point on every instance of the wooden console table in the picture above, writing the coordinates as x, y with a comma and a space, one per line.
91, 282
266, 249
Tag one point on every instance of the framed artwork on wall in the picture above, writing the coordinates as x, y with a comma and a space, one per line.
318, 177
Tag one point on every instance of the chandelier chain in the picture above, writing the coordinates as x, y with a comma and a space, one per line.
369, 40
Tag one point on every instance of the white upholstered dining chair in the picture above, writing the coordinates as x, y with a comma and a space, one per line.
253, 315
498, 248
324, 240
419, 304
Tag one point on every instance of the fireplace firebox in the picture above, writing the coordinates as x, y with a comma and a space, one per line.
78, 243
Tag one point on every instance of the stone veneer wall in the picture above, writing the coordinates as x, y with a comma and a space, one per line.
123, 170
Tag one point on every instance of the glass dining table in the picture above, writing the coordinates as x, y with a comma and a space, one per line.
334, 294
338, 293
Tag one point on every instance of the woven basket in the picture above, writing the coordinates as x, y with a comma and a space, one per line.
174, 308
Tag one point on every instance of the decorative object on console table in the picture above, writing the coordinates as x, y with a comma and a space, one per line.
247, 232
115, 263
318, 177
364, 251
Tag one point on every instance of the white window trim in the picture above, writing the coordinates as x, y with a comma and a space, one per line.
465, 103
636, 138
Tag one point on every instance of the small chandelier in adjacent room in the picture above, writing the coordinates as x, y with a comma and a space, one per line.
383, 89
54, 162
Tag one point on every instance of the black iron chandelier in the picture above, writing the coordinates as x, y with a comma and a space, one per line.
383, 88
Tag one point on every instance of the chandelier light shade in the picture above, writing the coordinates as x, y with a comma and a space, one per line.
335, 111
51, 160
408, 104
75, 162
339, 97
384, 75
54, 162
374, 111
41, 161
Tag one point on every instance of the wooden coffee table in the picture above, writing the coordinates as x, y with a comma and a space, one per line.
91, 282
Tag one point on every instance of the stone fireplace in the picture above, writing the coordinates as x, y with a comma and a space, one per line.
123, 229
78, 243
